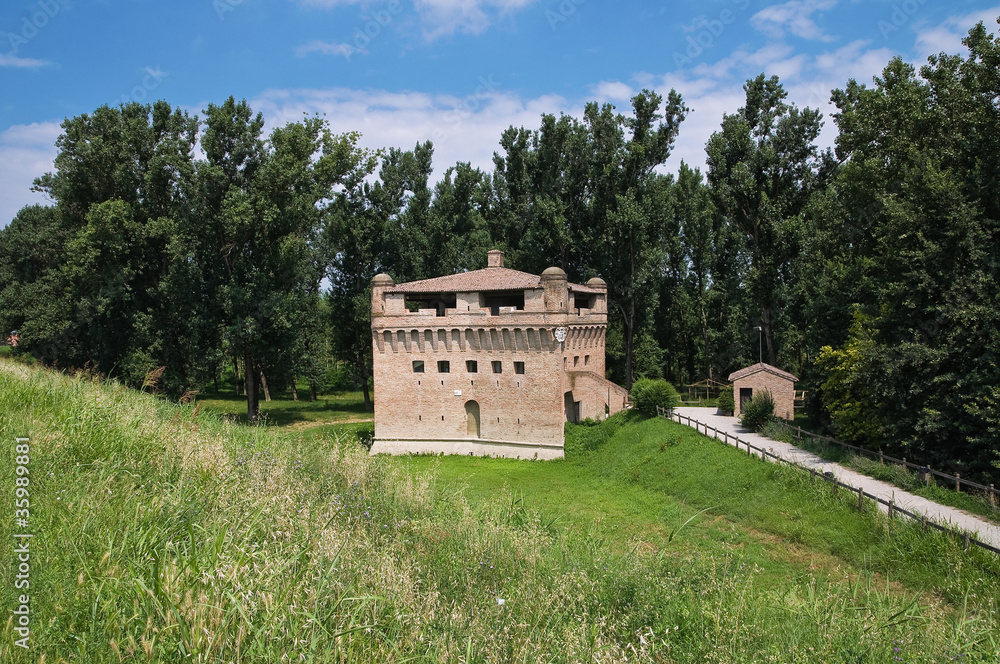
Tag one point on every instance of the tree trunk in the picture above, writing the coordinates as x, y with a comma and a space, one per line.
250, 378
769, 336
295, 391
364, 383
312, 391
628, 338
236, 375
263, 383
704, 338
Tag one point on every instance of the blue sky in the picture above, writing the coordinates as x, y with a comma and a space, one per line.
455, 72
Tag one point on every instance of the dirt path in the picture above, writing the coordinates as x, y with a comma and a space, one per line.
982, 530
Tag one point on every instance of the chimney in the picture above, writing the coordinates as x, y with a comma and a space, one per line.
494, 258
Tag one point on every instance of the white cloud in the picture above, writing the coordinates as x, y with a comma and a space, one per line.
794, 17
708, 101
947, 36
445, 17
714, 88
439, 18
462, 128
328, 48
612, 91
468, 128
23, 63
26, 152
743, 64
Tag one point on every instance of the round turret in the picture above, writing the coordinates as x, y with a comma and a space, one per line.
554, 273
382, 280
598, 283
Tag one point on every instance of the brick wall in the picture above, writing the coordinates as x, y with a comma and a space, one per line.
476, 409
782, 389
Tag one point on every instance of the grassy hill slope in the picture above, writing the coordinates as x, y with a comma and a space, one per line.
164, 534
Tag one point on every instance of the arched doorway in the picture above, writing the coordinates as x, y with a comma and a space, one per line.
472, 418
571, 408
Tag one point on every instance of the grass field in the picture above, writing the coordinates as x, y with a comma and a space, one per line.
285, 412
972, 501
162, 533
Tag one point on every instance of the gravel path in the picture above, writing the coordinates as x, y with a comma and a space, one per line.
984, 531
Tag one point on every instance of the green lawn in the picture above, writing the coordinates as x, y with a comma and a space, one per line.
644, 483
283, 411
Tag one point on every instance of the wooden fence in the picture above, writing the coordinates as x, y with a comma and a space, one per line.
925, 471
891, 508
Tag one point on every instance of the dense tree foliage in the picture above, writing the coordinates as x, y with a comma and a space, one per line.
202, 245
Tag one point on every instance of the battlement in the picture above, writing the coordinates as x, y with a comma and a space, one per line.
488, 295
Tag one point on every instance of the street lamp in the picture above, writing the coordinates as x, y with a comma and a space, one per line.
760, 343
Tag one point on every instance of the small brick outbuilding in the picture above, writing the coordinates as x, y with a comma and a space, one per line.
763, 376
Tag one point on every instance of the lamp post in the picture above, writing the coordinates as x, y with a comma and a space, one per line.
760, 343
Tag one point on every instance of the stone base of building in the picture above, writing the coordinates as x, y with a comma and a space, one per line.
472, 447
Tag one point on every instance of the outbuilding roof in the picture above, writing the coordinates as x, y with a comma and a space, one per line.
761, 366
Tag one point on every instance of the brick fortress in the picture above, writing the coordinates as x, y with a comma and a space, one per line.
488, 362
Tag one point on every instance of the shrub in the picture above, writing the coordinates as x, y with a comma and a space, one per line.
759, 411
647, 394
775, 430
726, 404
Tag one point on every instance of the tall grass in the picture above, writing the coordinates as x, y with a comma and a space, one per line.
165, 534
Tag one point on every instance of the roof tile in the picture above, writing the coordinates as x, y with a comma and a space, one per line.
487, 279
761, 366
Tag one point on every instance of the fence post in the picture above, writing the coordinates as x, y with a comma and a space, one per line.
881, 458
966, 542
861, 499
927, 482
923, 522
892, 507
958, 481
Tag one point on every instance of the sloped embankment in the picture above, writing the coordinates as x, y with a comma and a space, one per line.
164, 534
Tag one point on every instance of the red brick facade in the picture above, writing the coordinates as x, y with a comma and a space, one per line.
489, 362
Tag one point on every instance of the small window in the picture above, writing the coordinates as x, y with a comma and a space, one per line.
586, 360
497, 366
576, 360
444, 366
418, 366
472, 366
519, 367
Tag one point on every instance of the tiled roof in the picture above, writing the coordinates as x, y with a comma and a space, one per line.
487, 279
761, 366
